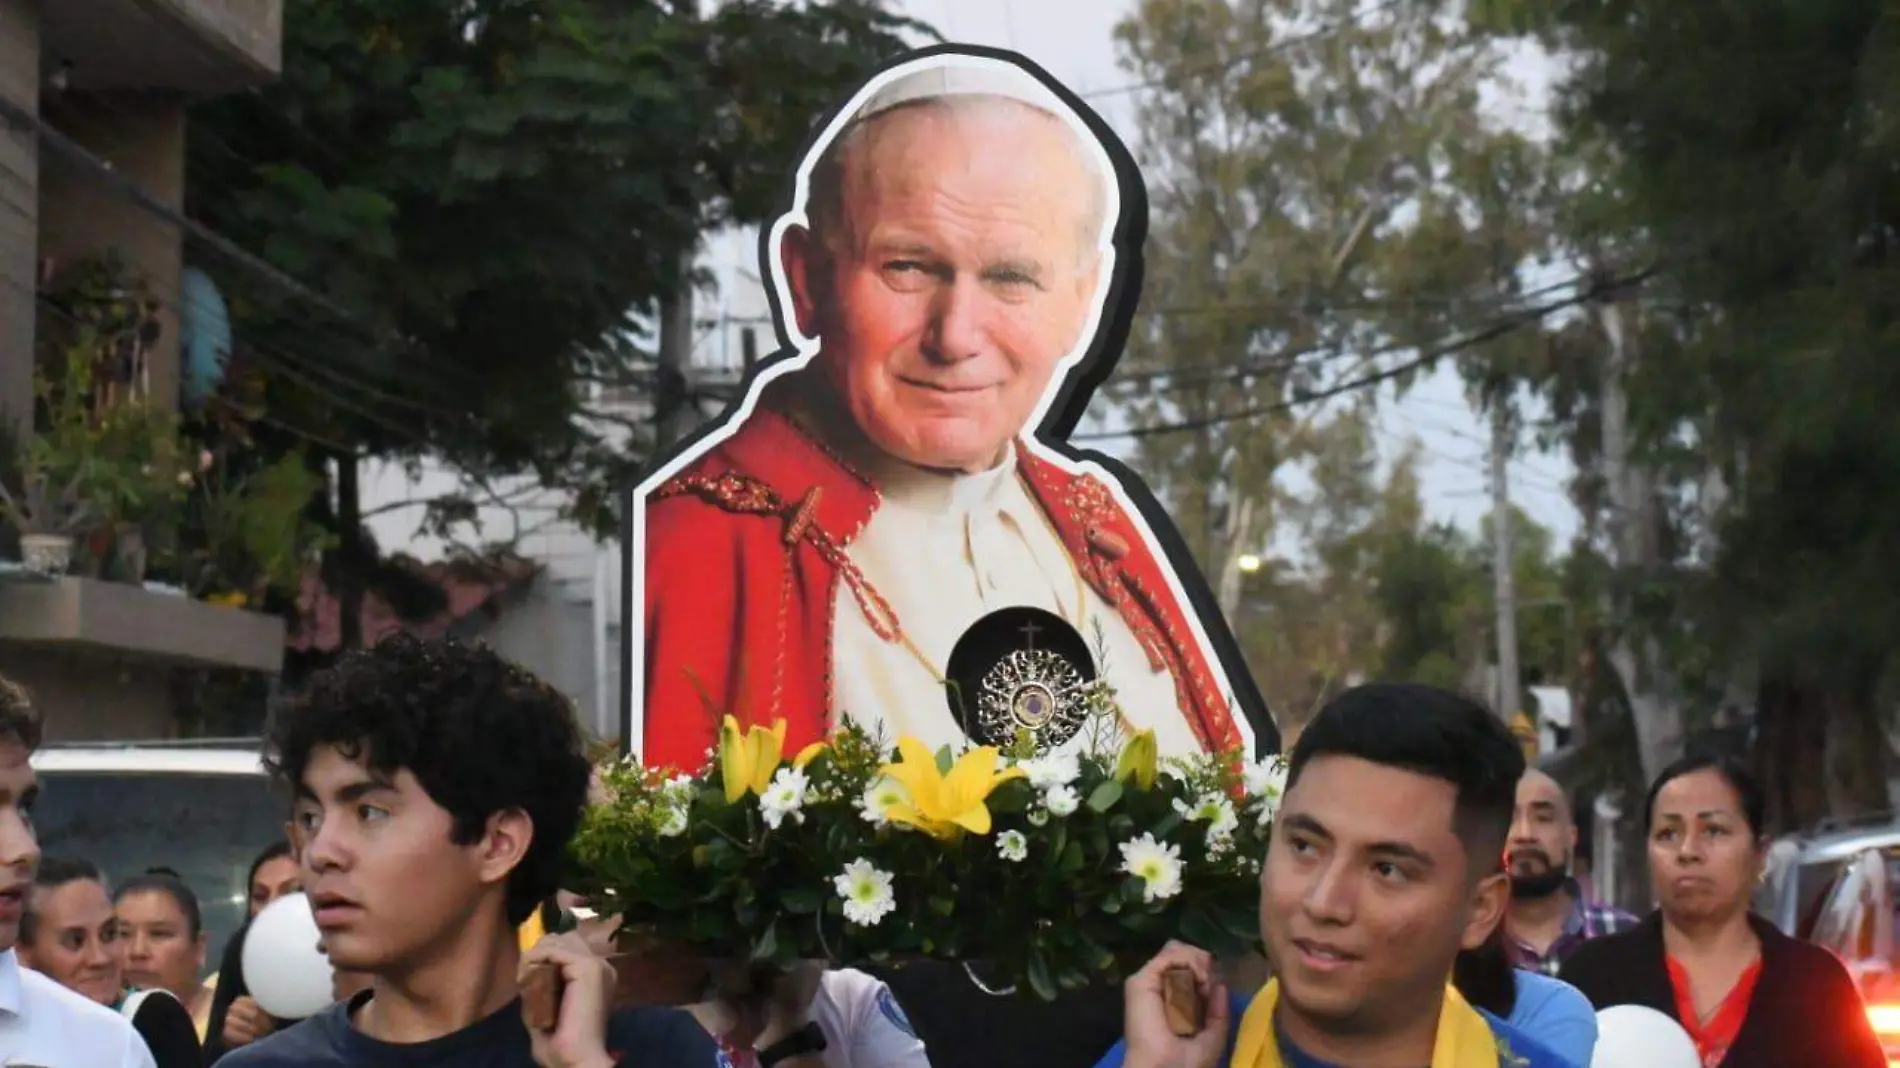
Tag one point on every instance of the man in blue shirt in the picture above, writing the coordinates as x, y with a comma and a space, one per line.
1386, 862
436, 787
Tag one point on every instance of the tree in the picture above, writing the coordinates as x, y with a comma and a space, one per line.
1325, 217
1751, 154
483, 200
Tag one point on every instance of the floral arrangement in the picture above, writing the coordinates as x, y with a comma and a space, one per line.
1052, 872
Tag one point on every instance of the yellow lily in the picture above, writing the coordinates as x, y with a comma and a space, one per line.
808, 754
748, 758
1138, 760
944, 806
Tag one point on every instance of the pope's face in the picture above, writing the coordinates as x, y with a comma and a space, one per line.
960, 275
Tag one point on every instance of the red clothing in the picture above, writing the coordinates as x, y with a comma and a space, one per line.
745, 549
1713, 1038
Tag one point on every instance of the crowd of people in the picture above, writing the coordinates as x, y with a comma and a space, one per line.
1418, 905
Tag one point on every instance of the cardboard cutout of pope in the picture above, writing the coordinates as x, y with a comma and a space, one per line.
888, 529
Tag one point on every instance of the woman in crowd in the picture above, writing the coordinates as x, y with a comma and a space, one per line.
162, 933
1549, 1010
69, 934
273, 874
1750, 996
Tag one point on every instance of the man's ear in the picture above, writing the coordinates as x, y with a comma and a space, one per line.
806, 268
504, 844
1571, 839
1488, 901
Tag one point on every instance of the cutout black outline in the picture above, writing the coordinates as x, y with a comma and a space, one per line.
1063, 414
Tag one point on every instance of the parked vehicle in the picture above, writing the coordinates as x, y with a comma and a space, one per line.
1855, 920
1791, 896
203, 809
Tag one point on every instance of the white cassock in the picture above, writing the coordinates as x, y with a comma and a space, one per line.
946, 550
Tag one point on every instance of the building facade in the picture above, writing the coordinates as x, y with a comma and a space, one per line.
94, 101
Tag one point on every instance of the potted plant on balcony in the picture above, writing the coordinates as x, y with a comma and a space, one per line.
45, 492
44, 507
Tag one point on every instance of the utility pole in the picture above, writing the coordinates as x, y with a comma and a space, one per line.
1509, 699
674, 410
675, 405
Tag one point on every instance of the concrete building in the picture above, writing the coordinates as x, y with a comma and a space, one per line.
93, 110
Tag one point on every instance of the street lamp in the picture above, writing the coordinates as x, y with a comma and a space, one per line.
1249, 563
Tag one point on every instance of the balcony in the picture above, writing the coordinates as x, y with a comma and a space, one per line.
123, 621
197, 47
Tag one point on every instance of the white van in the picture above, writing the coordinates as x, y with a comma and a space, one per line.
204, 809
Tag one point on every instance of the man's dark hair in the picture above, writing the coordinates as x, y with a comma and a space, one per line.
166, 881
481, 735
53, 873
19, 720
1748, 791
1431, 732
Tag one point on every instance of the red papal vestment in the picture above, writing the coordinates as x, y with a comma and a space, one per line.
745, 550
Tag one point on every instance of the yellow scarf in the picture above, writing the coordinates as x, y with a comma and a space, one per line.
531, 931
1464, 1036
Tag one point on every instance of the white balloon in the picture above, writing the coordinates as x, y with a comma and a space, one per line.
289, 976
1633, 1036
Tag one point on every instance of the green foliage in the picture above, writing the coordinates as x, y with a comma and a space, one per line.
683, 864
489, 195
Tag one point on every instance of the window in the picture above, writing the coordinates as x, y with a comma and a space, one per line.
207, 828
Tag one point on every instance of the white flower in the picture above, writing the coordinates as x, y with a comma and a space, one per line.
1156, 864
1012, 846
1038, 817
875, 805
672, 821
1214, 810
1048, 772
784, 797
1060, 800
866, 892
675, 801
1266, 782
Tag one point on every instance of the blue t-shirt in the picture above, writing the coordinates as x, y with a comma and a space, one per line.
1526, 1051
1556, 1014
648, 1037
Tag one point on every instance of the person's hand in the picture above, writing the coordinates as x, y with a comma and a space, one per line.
1151, 1042
579, 1038
245, 1023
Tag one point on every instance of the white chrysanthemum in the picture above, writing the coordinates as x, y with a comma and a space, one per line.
1012, 846
1214, 810
866, 893
1156, 864
1048, 772
784, 797
673, 821
878, 798
1061, 800
1266, 783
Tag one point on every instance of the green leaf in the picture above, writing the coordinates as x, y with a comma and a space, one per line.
767, 945
1103, 797
802, 901
1039, 978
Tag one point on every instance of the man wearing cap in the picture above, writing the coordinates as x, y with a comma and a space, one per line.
820, 561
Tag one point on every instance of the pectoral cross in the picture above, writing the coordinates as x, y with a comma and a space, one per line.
1030, 630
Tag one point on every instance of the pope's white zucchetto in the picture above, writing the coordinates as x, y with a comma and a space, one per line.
964, 79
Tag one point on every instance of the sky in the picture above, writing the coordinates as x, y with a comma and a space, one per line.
1073, 40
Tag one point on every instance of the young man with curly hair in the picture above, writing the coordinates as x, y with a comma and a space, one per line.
436, 787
